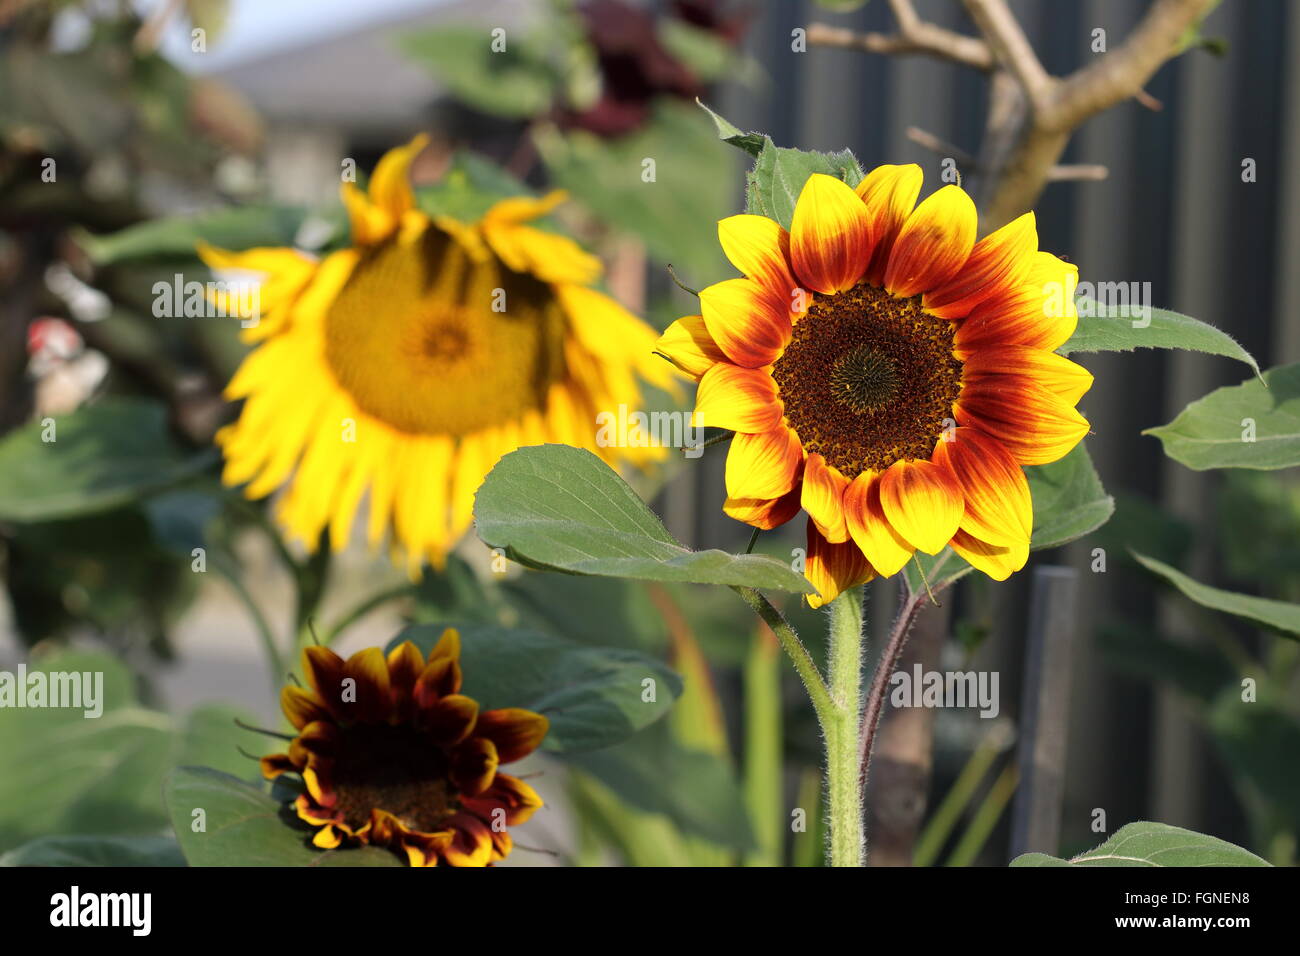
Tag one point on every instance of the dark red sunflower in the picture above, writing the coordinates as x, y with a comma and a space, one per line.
392, 754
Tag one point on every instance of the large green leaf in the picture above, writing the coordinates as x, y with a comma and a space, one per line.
1125, 328
95, 851
104, 455
563, 509
66, 773
1252, 425
1280, 616
243, 826
694, 789
1153, 844
593, 697
1069, 502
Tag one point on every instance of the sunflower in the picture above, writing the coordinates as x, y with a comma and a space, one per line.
887, 374
392, 754
408, 363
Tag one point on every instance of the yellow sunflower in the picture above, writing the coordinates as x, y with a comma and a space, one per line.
887, 374
408, 363
400, 758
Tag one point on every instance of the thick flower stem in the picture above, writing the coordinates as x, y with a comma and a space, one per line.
840, 725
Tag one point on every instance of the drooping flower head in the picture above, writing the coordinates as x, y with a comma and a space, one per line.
408, 363
887, 374
392, 754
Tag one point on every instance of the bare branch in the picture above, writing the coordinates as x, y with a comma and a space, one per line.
936, 145
919, 37
1012, 49
1066, 172
1119, 75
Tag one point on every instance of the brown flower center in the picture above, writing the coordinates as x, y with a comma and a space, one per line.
431, 341
397, 769
869, 379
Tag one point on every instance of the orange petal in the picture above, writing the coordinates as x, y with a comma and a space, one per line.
933, 244
889, 193
272, 765
763, 465
764, 513
390, 185
688, 345
471, 842
370, 700
473, 765
831, 235
441, 678
324, 671
749, 324
923, 503
519, 800
515, 731
998, 263
997, 562
302, 706
1056, 373
823, 498
1036, 426
760, 249
448, 648
998, 507
451, 719
739, 399
871, 531
833, 568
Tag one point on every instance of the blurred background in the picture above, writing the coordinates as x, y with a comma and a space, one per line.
236, 133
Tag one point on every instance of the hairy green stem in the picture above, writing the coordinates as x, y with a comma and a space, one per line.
843, 787
803, 662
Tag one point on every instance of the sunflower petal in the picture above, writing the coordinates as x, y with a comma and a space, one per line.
823, 498
833, 568
933, 244
999, 262
515, 732
764, 513
1056, 373
750, 326
763, 465
1036, 426
923, 503
889, 193
688, 345
760, 249
871, 531
739, 399
831, 235
998, 508
999, 563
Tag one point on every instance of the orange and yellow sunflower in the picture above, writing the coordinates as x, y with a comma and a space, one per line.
408, 363
392, 754
887, 374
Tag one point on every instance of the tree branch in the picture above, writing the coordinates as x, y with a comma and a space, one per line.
1120, 75
1012, 49
914, 36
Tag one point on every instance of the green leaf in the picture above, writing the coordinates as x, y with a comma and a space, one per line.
563, 509
1277, 615
592, 696
1125, 328
63, 772
95, 851
175, 237
1259, 741
1153, 844
773, 185
104, 455
728, 132
696, 791
243, 826
471, 186
514, 82
1069, 502
1252, 425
